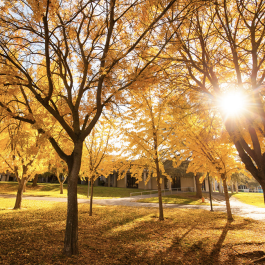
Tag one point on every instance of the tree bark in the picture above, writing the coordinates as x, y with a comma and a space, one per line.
198, 186
71, 232
61, 187
21, 183
24, 186
161, 214
232, 187
88, 187
228, 208
91, 198
35, 180
220, 186
236, 187
210, 190
254, 160
262, 183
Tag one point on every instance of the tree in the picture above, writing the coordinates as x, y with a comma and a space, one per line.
97, 158
209, 149
149, 135
22, 154
35, 180
58, 167
198, 185
222, 49
63, 63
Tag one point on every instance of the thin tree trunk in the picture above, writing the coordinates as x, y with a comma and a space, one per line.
24, 187
228, 208
220, 186
210, 191
161, 214
21, 183
91, 198
232, 187
35, 180
71, 232
61, 187
198, 186
88, 187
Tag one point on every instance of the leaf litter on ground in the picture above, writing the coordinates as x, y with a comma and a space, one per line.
127, 235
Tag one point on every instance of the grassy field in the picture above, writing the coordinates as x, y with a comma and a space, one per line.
53, 190
127, 235
255, 199
184, 198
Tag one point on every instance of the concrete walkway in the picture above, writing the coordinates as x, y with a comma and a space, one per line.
238, 208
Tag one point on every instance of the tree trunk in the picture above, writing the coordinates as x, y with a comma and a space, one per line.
220, 186
198, 186
88, 187
21, 183
228, 209
61, 187
210, 190
262, 183
35, 180
71, 232
91, 198
236, 187
232, 187
24, 187
161, 214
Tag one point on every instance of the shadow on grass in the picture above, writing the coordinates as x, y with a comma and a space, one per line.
200, 253
119, 235
196, 253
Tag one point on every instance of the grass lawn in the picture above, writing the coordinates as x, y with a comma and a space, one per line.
255, 199
53, 190
184, 198
127, 235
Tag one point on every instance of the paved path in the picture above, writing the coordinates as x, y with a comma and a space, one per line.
238, 208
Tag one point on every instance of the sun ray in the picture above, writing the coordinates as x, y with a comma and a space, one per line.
233, 103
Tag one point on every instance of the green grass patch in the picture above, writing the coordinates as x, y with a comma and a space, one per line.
127, 235
53, 190
184, 198
255, 199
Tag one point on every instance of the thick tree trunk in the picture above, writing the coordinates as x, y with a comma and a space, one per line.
262, 183
21, 183
198, 186
228, 208
61, 187
35, 180
71, 232
91, 198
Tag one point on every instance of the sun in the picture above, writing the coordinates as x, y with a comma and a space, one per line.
233, 103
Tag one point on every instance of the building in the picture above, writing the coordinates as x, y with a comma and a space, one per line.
181, 180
